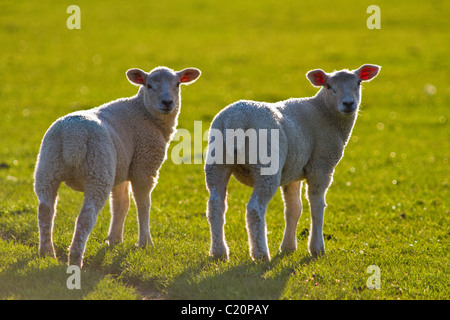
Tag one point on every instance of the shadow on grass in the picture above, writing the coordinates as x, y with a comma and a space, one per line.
43, 278
30, 277
248, 280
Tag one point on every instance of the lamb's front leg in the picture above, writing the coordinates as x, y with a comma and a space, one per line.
120, 203
317, 188
141, 193
292, 211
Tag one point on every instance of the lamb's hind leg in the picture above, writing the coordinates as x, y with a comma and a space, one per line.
94, 200
292, 211
263, 192
48, 177
120, 203
47, 196
217, 177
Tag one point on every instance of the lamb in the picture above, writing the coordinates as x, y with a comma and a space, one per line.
102, 150
312, 134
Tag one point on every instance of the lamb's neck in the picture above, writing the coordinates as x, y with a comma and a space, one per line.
343, 124
166, 123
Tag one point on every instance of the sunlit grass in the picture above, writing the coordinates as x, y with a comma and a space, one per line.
388, 204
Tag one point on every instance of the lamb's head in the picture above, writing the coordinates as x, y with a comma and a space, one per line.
161, 86
342, 89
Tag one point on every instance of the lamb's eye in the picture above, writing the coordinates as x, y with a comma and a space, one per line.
333, 91
149, 86
359, 82
178, 83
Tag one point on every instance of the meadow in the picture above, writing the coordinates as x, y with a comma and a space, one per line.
388, 205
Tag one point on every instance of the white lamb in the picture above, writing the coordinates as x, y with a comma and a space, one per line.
312, 135
100, 151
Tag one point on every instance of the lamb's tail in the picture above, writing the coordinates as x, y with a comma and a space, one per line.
75, 142
235, 147
74, 149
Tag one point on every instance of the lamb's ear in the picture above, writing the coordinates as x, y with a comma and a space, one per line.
188, 75
367, 72
317, 77
137, 76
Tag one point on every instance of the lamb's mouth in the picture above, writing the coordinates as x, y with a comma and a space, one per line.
165, 110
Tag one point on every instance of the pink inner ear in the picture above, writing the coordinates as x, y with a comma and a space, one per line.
319, 79
188, 76
184, 78
368, 73
139, 79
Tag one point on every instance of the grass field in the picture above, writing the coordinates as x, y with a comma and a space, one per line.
389, 202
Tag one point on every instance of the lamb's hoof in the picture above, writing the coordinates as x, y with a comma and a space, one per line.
284, 248
47, 251
317, 253
260, 256
287, 251
75, 260
219, 257
219, 254
316, 248
143, 243
112, 241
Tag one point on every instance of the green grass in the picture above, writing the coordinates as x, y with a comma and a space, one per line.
389, 202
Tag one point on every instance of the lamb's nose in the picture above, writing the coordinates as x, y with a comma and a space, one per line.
167, 103
348, 104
